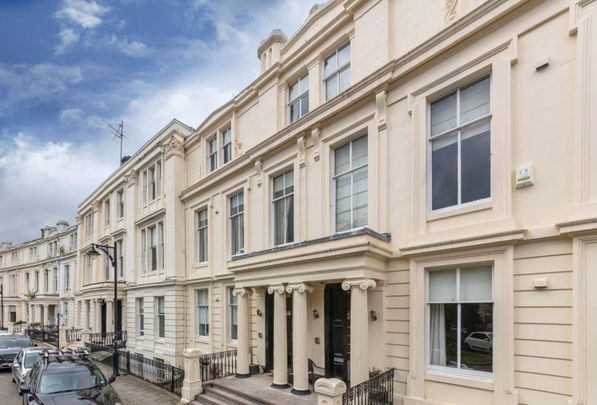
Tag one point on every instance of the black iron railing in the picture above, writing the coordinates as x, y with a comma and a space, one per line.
74, 335
156, 372
217, 365
107, 338
18, 328
378, 390
43, 335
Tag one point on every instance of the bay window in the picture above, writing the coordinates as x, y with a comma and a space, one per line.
350, 185
460, 305
461, 146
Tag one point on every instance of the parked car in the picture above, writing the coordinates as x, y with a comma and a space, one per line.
482, 341
10, 346
67, 378
23, 363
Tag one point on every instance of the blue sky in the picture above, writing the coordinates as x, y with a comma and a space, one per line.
70, 68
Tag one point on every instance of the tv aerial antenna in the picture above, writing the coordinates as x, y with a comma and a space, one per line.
118, 132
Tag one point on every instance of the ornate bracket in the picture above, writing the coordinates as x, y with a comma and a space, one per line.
316, 137
299, 287
259, 170
173, 147
300, 142
131, 178
279, 288
381, 100
450, 9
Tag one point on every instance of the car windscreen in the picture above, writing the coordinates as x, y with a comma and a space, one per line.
6, 342
71, 379
30, 359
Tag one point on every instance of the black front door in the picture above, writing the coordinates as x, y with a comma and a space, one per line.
337, 332
269, 331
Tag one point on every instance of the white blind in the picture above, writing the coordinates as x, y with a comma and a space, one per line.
474, 101
475, 284
442, 286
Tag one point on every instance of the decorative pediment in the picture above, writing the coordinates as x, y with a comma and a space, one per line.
173, 147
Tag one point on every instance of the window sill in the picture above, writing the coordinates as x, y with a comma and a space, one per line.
475, 206
458, 378
160, 340
201, 265
202, 339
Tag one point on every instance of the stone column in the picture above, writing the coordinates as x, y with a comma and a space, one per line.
109, 317
329, 391
191, 384
39, 318
85, 314
359, 328
46, 314
280, 337
300, 336
244, 332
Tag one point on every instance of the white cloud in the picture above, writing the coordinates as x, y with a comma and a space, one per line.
68, 38
45, 180
130, 48
32, 84
86, 14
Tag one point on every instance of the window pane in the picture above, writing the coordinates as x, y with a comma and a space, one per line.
343, 221
304, 83
293, 92
279, 222
477, 335
344, 79
443, 114
443, 335
476, 163
330, 64
294, 111
289, 219
359, 152
342, 159
279, 186
444, 164
359, 199
289, 182
331, 87
475, 284
442, 286
344, 55
304, 104
474, 101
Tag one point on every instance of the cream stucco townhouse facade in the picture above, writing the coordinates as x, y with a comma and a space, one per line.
38, 277
406, 184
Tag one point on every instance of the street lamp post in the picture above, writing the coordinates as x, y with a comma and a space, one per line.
2, 304
105, 249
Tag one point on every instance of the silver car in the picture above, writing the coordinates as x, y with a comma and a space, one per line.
23, 363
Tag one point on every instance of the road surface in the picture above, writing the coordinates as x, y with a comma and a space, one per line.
8, 390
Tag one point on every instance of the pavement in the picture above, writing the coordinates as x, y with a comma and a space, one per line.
8, 389
135, 391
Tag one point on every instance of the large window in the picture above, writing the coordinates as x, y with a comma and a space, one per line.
460, 327
12, 313
201, 236
283, 206
460, 146
226, 145
107, 212
336, 72
54, 280
350, 185
152, 180
212, 154
89, 225
140, 317
120, 202
202, 312
152, 247
66, 277
120, 257
232, 315
237, 238
298, 98
160, 317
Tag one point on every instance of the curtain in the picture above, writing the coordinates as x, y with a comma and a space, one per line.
438, 335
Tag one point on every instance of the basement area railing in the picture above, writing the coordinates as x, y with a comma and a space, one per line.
217, 365
378, 390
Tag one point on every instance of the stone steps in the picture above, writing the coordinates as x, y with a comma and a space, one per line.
217, 394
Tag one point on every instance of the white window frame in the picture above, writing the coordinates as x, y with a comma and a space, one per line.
120, 201
284, 199
107, 212
459, 372
147, 264
226, 145
231, 217
231, 297
297, 100
89, 225
160, 313
456, 130
152, 182
212, 153
201, 228
351, 172
198, 309
66, 277
120, 257
139, 304
55, 280
335, 74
